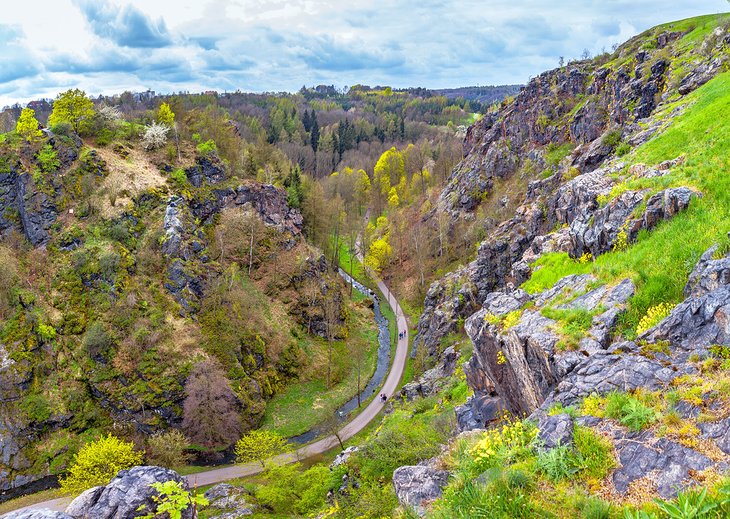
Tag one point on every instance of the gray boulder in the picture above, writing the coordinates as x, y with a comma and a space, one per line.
343, 456
555, 430
231, 499
37, 514
709, 274
418, 486
124, 495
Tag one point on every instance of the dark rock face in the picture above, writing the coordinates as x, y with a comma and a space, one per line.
418, 486
207, 168
123, 496
521, 365
598, 231
185, 243
555, 431
708, 275
24, 208
667, 465
433, 379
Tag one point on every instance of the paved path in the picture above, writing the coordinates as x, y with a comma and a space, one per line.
210, 477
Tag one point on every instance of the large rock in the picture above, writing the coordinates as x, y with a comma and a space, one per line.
555, 430
233, 500
125, 494
433, 379
25, 208
522, 364
418, 486
207, 168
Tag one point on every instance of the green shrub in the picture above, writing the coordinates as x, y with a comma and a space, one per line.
207, 148
36, 407
172, 500
259, 445
629, 411
167, 449
97, 341
558, 463
98, 462
48, 159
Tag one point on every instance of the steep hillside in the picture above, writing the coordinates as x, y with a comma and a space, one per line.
564, 124
599, 306
122, 274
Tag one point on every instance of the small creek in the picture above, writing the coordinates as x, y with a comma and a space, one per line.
381, 369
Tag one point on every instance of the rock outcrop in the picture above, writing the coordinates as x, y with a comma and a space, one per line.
418, 486
124, 495
37, 514
25, 208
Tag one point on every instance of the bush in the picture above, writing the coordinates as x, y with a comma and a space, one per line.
98, 462
172, 500
629, 411
207, 148
167, 449
97, 341
654, 316
259, 445
558, 463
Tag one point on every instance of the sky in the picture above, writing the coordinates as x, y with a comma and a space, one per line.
109, 46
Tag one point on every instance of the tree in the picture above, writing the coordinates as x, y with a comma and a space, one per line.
259, 445
27, 125
155, 136
210, 411
165, 115
72, 107
167, 449
98, 462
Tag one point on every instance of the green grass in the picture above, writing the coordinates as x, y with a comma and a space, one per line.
303, 405
661, 260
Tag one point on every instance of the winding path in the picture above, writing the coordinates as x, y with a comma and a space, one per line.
357, 424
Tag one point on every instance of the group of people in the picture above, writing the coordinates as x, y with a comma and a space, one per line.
401, 335
383, 397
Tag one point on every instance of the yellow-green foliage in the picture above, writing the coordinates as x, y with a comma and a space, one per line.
593, 405
259, 445
98, 462
172, 500
27, 125
653, 316
165, 115
72, 107
511, 319
622, 240
503, 443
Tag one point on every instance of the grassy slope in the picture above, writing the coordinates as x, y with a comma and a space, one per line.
660, 261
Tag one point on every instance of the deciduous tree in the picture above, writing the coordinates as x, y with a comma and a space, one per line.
259, 445
73, 107
210, 412
27, 125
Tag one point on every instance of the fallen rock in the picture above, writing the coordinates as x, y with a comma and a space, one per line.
418, 486
230, 498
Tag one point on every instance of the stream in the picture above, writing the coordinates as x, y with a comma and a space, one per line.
381, 369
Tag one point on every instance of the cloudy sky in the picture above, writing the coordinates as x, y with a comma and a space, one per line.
108, 46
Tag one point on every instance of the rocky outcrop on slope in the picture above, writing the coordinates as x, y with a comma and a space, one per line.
37, 514
24, 208
418, 486
125, 494
520, 365
207, 168
185, 245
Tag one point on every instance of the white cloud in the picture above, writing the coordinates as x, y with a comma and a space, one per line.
105, 46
